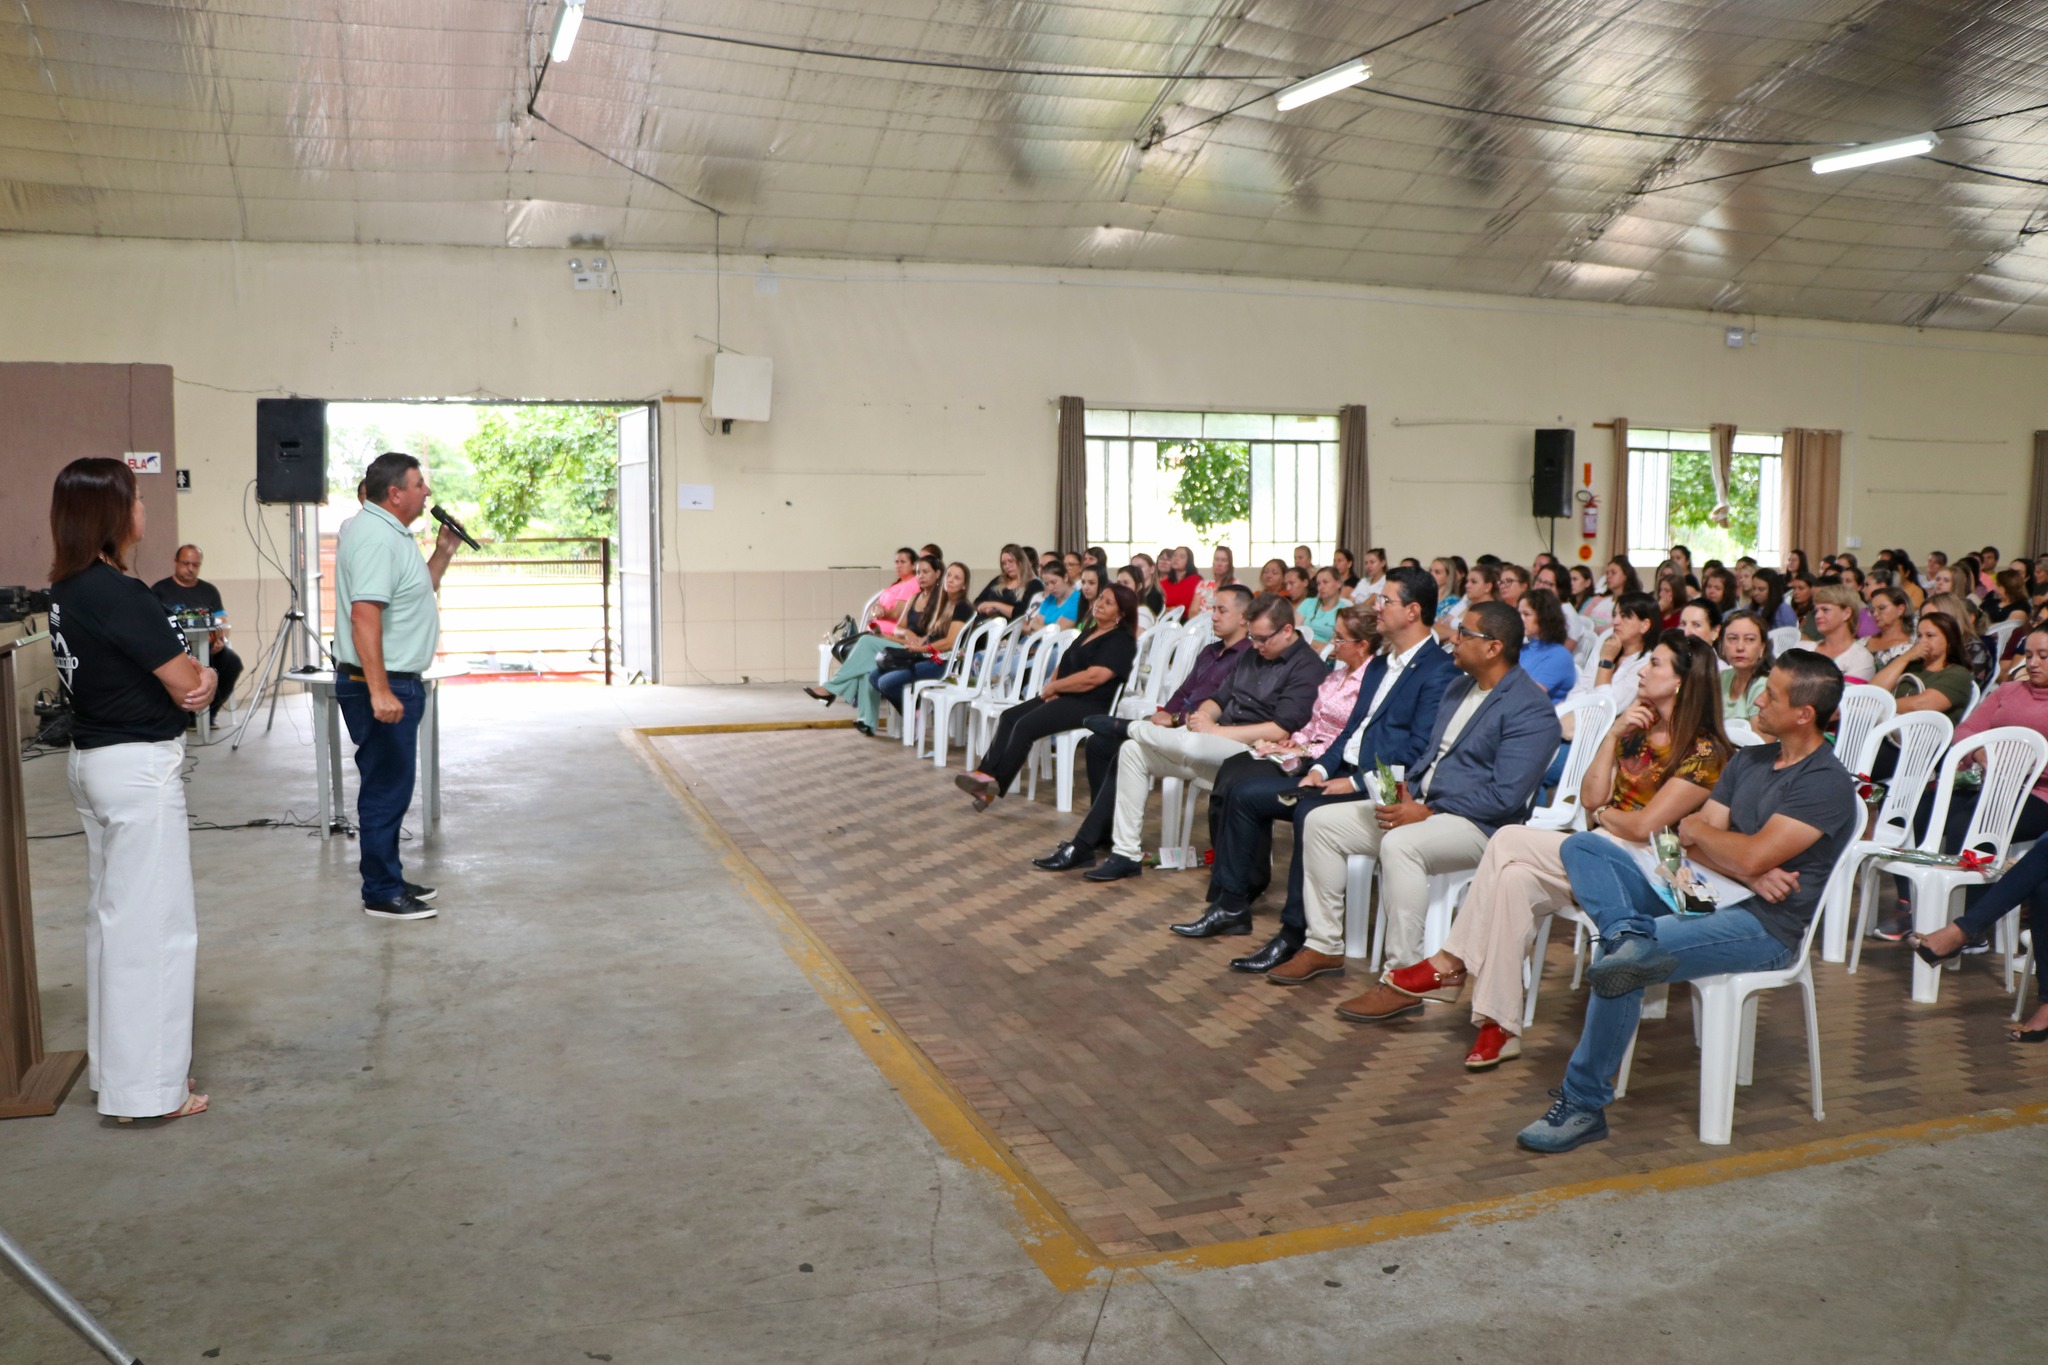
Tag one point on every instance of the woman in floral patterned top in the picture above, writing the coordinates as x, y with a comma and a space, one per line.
1657, 765
1222, 573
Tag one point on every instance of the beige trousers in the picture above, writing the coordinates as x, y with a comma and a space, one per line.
1521, 879
1408, 857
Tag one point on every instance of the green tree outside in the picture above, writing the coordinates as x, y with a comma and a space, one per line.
1214, 487
557, 466
1692, 500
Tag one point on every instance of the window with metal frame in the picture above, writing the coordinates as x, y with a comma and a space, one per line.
1669, 495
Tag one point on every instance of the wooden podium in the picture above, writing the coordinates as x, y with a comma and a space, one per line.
32, 1082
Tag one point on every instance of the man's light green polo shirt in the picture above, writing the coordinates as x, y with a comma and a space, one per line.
377, 560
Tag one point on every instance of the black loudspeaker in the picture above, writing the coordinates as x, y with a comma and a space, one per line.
291, 450
1551, 488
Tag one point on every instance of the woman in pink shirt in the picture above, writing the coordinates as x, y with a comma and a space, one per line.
897, 593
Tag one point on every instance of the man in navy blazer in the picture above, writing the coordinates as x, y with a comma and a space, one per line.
1395, 711
1493, 740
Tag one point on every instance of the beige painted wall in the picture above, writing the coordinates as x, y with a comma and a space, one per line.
915, 404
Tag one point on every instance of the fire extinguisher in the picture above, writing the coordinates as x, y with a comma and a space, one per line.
1589, 520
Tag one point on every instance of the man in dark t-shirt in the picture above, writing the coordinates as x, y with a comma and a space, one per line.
185, 590
1776, 825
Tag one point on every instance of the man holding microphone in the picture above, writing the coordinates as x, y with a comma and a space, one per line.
385, 630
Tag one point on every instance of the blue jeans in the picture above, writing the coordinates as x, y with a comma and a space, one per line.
386, 756
893, 683
1618, 898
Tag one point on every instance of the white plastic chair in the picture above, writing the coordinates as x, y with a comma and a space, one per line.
1171, 616
1863, 709
1446, 893
2013, 760
2000, 637
1923, 737
1586, 649
1049, 662
827, 665
1595, 716
1724, 1024
1740, 734
1976, 695
1783, 638
974, 662
1148, 670
1023, 679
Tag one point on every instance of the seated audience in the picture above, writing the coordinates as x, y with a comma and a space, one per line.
1178, 580
1930, 674
850, 682
1390, 720
1722, 590
1892, 610
1269, 695
1779, 818
1304, 559
1701, 619
1084, 685
1482, 584
943, 624
185, 590
1296, 585
1107, 735
1058, 604
1834, 620
1013, 587
1514, 581
1582, 587
1553, 579
1273, 578
1274, 764
1318, 615
1222, 573
1494, 736
1449, 574
1627, 648
1368, 586
1746, 649
883, 621
1546, 644
1657, 765
1347, 568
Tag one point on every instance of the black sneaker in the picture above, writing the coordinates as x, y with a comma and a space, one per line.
1895, 928
418, 892
405, 907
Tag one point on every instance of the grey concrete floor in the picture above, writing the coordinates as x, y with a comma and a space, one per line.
594, 1112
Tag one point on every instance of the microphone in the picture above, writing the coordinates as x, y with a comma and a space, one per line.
455, 526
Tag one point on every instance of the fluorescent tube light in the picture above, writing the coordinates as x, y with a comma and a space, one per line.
566, 24
1870, 153
1328, 83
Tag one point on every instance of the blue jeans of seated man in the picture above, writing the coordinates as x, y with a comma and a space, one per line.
1618, 898
386, 757
893, 683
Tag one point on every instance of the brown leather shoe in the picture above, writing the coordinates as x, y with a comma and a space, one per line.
1306, 965
1378, 1005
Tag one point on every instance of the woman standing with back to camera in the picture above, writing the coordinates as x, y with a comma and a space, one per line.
130, 684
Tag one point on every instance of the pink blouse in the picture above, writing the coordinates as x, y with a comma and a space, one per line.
1334, 700
2014, 703
893, 596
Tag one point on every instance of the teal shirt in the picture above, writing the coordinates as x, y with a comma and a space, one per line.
377, 560
1318, 621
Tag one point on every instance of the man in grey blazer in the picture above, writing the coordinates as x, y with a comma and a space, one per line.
1494, 737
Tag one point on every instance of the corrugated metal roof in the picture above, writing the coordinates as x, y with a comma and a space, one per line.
376, 121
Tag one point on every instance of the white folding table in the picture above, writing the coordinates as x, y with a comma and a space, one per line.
327, 747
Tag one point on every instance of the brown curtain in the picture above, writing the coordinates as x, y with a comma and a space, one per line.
1617, 497
2037, 503
1720, 459
1813, 490
1070, 507
1354, 484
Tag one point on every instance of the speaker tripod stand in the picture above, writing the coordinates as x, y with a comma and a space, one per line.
293, 637
62, 1304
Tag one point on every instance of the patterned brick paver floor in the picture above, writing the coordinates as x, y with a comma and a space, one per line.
1168, 1102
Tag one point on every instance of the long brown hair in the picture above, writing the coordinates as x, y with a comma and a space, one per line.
1696, 710
92, 513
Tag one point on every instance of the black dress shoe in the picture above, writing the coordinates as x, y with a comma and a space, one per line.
1066, 858
1278, 949
1114, 868
1215, 923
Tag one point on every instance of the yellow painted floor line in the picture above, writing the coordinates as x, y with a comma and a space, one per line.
1068, 1257
745, 727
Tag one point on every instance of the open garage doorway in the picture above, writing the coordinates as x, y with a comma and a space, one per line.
561, 497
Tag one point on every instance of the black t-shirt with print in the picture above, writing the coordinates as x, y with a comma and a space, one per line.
201, 596
110, 634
